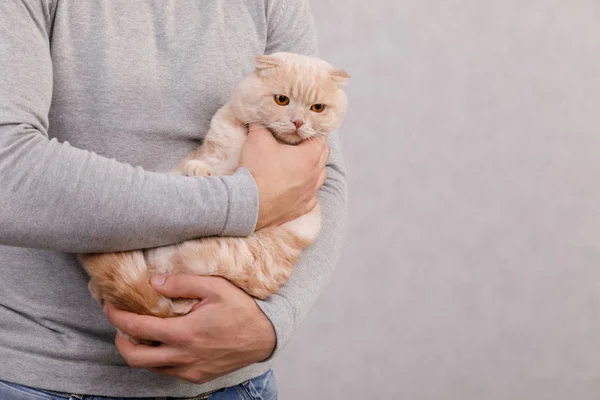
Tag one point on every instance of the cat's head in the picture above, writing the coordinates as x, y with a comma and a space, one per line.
296, 97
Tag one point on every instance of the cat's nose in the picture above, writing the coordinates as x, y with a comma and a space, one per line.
298, 123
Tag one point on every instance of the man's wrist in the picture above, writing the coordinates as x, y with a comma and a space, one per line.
242, 211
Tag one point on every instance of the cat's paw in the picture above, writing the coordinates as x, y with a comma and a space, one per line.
197, 168
183, 306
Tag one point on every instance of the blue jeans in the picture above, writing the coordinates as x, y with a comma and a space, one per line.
259, 388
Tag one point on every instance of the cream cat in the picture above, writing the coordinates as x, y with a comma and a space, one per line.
296, 97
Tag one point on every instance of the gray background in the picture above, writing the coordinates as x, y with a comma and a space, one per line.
472, 267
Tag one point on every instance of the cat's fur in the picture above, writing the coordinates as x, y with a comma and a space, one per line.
262, 262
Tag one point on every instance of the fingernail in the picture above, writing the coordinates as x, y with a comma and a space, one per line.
157, 280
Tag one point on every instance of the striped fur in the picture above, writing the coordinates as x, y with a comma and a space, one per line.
261, 263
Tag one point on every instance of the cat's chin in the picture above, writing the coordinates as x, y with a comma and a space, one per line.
287, 137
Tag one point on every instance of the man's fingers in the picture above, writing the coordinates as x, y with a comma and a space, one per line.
186, 286
322, 178
257, 132
312, 204
193, 375
316, 150
137, 326
315, 142
186, 374
144, 356
324, 155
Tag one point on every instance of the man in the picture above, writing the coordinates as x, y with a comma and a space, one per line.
88, 88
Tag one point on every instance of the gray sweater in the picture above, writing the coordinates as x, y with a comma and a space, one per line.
98, 99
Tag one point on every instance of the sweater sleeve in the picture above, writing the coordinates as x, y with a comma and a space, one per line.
292, 30
54, 196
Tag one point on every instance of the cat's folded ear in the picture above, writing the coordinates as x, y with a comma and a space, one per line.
340, 76
266, 63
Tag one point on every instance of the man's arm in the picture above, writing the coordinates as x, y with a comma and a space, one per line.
228, 330
291, 29
58, 197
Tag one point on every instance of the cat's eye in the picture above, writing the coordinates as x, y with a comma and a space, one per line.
318, 108
282, 100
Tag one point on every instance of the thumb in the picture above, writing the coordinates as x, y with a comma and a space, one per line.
316, 147
316, 142
182, 286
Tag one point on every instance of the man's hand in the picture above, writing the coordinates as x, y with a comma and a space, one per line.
226, 331
288, 177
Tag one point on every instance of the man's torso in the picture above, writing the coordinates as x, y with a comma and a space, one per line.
138, 81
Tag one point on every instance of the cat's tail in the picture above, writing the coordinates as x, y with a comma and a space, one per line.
122, 279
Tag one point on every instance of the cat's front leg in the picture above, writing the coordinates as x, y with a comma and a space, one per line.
197, 168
